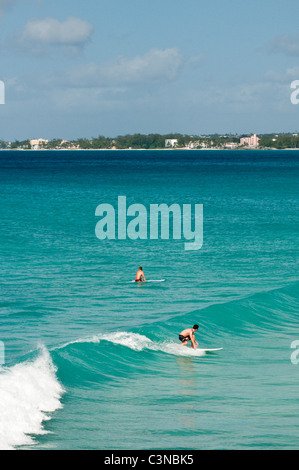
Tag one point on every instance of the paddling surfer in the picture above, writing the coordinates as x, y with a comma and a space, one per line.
140, 277
188, 335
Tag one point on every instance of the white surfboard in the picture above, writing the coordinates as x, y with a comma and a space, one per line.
209, 350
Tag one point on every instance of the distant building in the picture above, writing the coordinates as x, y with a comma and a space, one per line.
193, 145
230, 145
36, 144
171, 143
252, 141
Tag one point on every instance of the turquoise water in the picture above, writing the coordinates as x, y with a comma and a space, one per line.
92, 361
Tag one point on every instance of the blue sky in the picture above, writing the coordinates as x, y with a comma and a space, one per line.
82, 68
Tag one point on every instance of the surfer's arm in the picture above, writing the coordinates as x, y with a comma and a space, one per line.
194, 343
143, 277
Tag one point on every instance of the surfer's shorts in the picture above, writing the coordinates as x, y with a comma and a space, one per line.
138, 280
184, 339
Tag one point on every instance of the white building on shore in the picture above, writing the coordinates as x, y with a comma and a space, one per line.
36, 144
171, 143
231, 145
252, 141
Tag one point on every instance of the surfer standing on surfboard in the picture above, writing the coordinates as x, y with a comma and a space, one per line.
188, 335
140, 277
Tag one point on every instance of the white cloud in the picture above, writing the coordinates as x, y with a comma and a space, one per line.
49, 31
154, 66
283, 77
136, 81
288, 45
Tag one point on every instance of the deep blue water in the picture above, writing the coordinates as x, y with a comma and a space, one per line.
99, 355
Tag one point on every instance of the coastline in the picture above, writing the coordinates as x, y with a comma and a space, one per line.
151, 150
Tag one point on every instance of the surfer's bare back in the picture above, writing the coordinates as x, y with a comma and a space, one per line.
140, 277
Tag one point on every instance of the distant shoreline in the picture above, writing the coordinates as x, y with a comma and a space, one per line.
152, 150
162, 142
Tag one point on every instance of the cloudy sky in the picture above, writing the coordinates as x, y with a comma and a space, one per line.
75, 68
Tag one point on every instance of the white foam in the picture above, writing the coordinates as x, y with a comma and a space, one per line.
138, 342
28, 393
93, 339
131, 340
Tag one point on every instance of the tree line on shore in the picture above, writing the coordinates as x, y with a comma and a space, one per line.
157, 141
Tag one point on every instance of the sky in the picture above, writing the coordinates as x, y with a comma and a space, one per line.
74, 68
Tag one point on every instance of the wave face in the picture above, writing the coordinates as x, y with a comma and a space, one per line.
125, 375
29, 394
138, 342
112, 345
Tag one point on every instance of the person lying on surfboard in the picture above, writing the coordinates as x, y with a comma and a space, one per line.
140, 277
188, 335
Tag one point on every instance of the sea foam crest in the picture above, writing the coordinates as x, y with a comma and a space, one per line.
29, 391
93, 339
139, 342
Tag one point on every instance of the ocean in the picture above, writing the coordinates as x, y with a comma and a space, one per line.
91, 360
